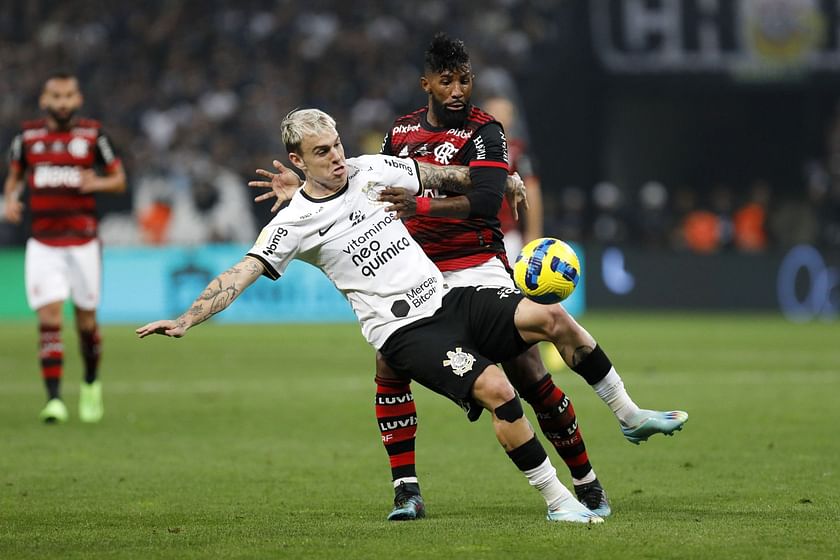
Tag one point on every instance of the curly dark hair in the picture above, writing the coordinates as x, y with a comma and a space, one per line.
445, 54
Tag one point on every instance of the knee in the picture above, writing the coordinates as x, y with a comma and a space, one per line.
492, 389
85, 320
557, 323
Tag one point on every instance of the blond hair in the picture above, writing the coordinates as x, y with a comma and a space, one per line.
302, 122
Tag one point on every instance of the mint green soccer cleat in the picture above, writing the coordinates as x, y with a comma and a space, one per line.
649, 422
90, 402
54, 413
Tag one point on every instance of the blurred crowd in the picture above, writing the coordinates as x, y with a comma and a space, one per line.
192, 93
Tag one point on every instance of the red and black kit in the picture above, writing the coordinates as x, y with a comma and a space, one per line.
54, 161
456, 244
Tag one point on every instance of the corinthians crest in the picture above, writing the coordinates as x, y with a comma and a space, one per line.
461, 362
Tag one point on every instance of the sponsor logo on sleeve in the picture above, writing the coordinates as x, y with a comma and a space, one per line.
274, 242
396, 164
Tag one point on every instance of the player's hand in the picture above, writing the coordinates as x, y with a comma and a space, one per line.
13, 210
164, 327
283, 184
90, 182
515, 193
402, 201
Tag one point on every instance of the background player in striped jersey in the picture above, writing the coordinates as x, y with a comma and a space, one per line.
59, 156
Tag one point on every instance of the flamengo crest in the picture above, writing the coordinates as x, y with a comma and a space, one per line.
461, 362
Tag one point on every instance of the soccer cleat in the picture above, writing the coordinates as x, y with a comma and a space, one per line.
90, 402
593, 496
649, 422
408, 503
572, 511
54, 413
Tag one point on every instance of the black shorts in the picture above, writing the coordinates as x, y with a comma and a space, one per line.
446, 352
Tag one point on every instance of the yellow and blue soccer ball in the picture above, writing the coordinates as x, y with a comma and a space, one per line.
547, 270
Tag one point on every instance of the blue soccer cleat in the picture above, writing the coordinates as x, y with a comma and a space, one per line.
593, 496
649, 422
408, 503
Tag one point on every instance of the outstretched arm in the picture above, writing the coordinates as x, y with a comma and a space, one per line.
217, 296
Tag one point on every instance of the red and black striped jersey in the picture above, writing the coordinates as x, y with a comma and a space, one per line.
453, 243
53, 161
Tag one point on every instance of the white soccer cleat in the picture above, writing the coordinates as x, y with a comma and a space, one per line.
572, 511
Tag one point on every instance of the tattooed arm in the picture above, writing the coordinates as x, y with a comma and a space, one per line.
217, 296
453, 179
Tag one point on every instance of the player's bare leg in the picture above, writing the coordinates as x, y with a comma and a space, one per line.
495, 393
556, 417
91, 408
51, 355
585, 357
396, 416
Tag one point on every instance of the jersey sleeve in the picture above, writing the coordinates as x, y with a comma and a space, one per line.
488, 147
106, 155
275, 247
487, 154
398, 172
17, 156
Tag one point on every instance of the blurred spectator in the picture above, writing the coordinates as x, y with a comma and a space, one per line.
653, 217
608, 225
750, 221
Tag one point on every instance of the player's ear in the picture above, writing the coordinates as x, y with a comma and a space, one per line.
297, 161
424, 83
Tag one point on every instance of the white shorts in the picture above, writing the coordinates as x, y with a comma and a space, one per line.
56, 273
490, 273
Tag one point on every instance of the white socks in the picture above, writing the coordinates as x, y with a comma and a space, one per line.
544, 479
611, 390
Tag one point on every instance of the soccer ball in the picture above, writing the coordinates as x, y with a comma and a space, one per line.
546, 270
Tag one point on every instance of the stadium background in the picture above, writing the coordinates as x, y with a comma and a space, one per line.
687, 146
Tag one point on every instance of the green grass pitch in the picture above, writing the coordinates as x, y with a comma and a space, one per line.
260, 442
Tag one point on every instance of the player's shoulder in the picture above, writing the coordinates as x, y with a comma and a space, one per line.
480, 117
85, 122
33, 124
367, 165
411, 118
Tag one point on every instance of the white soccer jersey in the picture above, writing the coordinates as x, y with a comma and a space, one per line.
366, 252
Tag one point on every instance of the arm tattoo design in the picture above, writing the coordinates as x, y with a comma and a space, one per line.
450, 178
221, 292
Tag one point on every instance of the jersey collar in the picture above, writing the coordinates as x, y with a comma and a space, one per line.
333, 196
